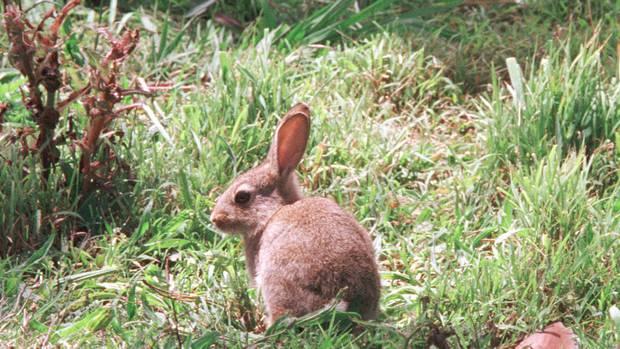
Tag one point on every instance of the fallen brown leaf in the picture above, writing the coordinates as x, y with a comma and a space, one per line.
554, 336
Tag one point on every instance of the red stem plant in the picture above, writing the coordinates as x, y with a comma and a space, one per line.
35, 51
100, 104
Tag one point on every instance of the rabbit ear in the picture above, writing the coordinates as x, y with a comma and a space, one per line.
290, 139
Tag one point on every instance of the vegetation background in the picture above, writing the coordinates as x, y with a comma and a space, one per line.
489, 184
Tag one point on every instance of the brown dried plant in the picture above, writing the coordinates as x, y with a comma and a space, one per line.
100, 104
36, 52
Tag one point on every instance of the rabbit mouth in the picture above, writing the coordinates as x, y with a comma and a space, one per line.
220, 220
223, 223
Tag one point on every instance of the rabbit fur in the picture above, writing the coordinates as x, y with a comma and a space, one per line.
300, 252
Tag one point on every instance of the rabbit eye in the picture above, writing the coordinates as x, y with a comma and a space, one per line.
242, 197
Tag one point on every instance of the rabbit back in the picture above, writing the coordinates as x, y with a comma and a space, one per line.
309, 252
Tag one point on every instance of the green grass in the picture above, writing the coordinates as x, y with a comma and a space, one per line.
477, 238
559, 104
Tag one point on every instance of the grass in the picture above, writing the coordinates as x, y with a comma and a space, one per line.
479, 242
559, 104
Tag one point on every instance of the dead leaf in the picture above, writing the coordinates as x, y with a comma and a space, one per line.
554, 336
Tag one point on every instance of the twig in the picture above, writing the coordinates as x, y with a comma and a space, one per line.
73, 96
3, 108
172, 295
127, 108
176, 325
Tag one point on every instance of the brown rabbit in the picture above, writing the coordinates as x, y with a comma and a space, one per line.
300, 252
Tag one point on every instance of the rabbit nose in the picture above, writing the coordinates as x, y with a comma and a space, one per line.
218, 218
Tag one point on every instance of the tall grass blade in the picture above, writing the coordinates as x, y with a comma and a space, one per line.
200, 8
516, 80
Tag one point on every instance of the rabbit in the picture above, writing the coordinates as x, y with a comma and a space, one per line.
300, 252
